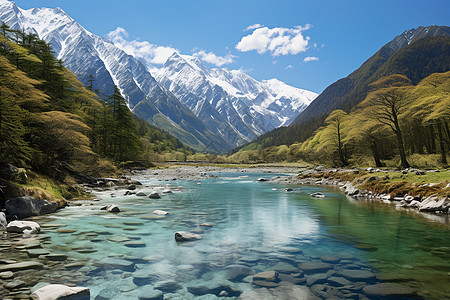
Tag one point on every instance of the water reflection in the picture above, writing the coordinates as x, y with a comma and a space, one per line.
255, 225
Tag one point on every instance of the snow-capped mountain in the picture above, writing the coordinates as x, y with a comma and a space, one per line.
87, 54
232, 104
208, 109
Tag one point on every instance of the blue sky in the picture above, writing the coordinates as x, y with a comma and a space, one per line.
307, 44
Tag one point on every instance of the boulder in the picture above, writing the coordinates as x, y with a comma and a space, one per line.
131, 187
160, 212
26, 206
262, 179
60, 292
141, 194
167, 191
432, 204
29, 227
154, 195
183, 236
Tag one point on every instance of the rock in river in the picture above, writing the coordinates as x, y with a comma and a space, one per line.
182, 236
388, 289
111, 208
160, 212
154, 195
314, 267
60, 292
3, 221
317, 195
23, 227
26, 206
25, 265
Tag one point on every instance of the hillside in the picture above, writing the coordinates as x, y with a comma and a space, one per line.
54, 126
416, 53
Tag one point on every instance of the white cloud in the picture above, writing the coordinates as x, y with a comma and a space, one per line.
277, 41
289, 67
310, 58
153, 54
214, 59
254, 26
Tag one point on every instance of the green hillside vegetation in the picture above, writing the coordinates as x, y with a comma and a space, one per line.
397, 124
50, 122
416, 61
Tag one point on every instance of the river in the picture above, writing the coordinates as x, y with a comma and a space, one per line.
252, 227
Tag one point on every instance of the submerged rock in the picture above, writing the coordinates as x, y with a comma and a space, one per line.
314, 267
26, 206
215, 288
147, 292
388, 289
237, 272
262, 179
25, 265
60, 292
357, 274
183, 236
23, 227
266, 276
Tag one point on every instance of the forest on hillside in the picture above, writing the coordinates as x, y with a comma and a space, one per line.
397, 124
49, 121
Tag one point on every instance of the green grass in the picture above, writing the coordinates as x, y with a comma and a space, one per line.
429, 177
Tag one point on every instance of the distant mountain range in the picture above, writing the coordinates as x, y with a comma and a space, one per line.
415, 53
210, 110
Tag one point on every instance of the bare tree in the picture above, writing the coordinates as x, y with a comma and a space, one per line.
388, 104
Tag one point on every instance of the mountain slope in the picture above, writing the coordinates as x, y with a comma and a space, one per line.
354, 88
209, 109
415, 53
234, 106
87, 54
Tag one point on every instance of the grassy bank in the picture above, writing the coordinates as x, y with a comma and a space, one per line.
394, 183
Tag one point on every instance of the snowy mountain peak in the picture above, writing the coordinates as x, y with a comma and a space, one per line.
209, 109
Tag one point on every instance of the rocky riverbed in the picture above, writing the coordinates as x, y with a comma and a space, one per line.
33, 261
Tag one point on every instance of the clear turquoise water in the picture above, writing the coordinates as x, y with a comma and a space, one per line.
251, 220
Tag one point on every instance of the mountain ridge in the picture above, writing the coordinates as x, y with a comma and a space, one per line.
237, 120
